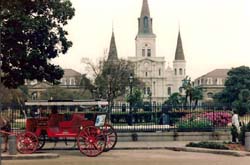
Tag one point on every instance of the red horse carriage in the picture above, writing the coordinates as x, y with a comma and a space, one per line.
82, 122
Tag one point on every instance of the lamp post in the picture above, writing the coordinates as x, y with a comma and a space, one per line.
131, 79
150, 97
110, 101
109, 89
0, 98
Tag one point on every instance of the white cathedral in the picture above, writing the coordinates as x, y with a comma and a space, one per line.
160, 81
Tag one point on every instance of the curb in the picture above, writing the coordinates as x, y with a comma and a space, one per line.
30, 156
212, 151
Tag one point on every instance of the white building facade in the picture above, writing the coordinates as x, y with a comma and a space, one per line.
160, 81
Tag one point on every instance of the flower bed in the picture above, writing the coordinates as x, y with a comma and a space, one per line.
217, 118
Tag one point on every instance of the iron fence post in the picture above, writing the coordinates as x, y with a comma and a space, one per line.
130, 100
0, 79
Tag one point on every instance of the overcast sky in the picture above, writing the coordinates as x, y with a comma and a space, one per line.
215, 33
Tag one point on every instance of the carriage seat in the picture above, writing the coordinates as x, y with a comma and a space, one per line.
55, 119
75, 121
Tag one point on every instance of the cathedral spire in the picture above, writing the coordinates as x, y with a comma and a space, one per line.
145, 9
145, 21
112, 56
179, 54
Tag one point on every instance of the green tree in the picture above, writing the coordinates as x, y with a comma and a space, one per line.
242, 104
236, 89
197, 95
31, 35
175, 99
187, 86
111, 78
12, 96
86, 86
192, 93
136, 98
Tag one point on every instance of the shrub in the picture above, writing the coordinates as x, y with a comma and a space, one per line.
199, 124
211, 145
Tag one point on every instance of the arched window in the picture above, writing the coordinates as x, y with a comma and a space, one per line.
146, 74
145, 24
72, 81
143, 52
34, 96
175, 71
148, 91
210, 95
149, 52
180, 71
169, 91
160, 72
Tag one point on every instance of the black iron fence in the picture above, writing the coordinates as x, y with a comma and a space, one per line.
159, 117
145, 118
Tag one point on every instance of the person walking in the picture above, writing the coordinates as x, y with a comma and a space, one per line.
235, 127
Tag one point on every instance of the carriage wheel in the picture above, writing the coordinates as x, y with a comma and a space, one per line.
111, 137
27, 142
41, 141
91, 141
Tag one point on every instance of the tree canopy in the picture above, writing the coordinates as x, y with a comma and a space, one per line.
111, 79
175, 99
237, 89
60, 93
135, 98
31, 35
192, 94
10, 97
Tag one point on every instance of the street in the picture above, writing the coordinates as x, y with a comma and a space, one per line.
136, 157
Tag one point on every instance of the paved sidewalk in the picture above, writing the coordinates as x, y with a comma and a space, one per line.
50, 150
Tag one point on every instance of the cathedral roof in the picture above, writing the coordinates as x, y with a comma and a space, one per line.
112, 56
179, 54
